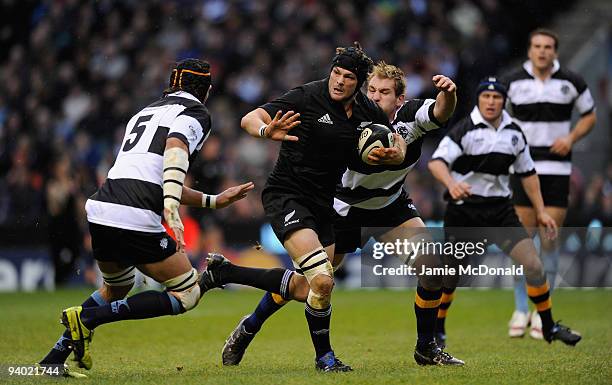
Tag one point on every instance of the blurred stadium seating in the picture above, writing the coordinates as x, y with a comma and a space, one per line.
72, 73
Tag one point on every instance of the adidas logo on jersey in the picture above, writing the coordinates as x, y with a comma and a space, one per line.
325, 119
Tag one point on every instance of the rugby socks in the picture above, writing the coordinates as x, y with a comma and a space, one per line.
448, 294
267, 306
540, 296
273, 280
147, 304
426, 303
318, 324
61, 350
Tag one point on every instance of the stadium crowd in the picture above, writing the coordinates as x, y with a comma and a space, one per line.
72, 73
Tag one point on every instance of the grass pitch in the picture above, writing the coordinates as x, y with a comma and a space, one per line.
374, 331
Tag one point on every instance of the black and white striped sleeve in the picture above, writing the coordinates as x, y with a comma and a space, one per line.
448, 151
523, 164
192, 127
584, 102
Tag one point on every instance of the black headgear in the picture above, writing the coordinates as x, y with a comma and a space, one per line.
491, 83
191, 75
355, 60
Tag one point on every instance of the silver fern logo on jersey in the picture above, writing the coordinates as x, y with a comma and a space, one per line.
288, 220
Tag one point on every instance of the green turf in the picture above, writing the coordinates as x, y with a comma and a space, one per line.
374, 331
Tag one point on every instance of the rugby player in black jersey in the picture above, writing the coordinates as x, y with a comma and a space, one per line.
373, 196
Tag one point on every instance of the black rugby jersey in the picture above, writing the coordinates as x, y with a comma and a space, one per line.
313, 166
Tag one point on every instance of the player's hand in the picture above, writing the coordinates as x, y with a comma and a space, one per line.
233, 194
459, 190
393, 156
549, 225
562, 146
279, 127
443, 83
173, 219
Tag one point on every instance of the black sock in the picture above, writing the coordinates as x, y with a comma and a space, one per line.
540, 296
267, 306
148, 304
448, 294
426, 305
60, 352
272, 280
318, 323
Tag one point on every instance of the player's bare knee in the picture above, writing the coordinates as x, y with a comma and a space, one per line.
114, 293
298, 288
322, 285
185, 291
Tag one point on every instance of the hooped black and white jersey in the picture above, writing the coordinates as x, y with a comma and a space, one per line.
374, 187
132, 196
543, 110
481, 155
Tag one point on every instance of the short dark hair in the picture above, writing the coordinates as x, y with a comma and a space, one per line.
545, 32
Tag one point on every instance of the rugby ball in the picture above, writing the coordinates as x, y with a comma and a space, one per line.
374, 136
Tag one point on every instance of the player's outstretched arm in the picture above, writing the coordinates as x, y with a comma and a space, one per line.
258, 123
196, 198
446, 100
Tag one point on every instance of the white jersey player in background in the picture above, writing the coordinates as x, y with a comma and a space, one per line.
541, 98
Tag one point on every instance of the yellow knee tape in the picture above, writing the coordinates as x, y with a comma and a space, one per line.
122, 278
317, 301
314, 263
185, 288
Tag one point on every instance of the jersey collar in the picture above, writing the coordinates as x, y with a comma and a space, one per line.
184, 94
477, 119
528, 66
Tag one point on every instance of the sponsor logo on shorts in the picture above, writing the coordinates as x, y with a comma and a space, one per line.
163, 243
288, 220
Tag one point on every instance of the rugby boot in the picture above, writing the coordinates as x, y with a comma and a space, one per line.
236, 344
432, 354
80, 336
563, 334
329, 363
210, 278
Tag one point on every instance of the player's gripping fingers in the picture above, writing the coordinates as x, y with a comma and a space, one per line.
443, 83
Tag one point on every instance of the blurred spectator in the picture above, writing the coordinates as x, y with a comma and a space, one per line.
65, 237
71, 72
